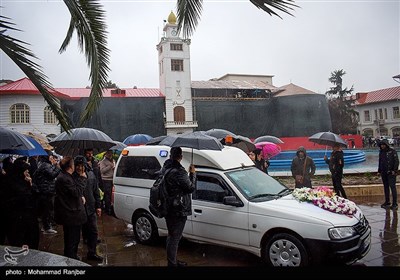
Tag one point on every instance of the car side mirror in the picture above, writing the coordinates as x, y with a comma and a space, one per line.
233, 201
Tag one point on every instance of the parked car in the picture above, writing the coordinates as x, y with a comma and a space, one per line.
239, 206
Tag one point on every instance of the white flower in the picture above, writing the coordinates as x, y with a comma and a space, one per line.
325, 198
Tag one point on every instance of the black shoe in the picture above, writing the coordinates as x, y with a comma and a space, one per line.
181, 263
94, 258
394, 207
385, 205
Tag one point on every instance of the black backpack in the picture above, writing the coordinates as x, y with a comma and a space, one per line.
158, 202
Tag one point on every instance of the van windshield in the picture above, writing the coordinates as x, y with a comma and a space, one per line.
255, 184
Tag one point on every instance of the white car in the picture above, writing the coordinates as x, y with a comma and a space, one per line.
237, 205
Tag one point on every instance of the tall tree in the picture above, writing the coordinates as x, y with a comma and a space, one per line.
343, 116
88, 20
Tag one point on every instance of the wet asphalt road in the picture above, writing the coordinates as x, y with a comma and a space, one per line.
120, 249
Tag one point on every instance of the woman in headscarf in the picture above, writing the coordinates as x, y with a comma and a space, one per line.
22, 221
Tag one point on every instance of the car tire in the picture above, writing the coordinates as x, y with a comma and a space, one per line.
144, 228
284, 249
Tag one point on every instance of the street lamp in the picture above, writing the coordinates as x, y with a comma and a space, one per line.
397, 78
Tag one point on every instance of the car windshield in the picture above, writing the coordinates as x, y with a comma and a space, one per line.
257, 185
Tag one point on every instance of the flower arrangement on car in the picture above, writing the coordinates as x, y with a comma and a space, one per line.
325, 198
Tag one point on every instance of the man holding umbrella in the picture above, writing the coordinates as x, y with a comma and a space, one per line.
179, 186
336, 164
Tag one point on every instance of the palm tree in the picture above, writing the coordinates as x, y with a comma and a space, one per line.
189, 11
87, 19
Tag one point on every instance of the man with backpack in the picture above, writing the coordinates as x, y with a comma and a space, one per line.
179, 185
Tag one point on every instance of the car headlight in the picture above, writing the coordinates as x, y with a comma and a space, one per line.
341, 232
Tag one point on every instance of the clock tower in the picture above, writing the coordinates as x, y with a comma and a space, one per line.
175, 79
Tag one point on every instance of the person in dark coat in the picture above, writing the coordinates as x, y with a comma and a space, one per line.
44, 184
179, 186
6, 166
336, 164
260, 162
22, 221
69, 209
387, 168
303, 168
92, 205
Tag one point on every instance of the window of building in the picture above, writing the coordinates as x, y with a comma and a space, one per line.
367, 117
380, 114
49, 116
368, 132
396, 113
386, 114
176, 65
20, 113
176, 47
138, 167
376, 114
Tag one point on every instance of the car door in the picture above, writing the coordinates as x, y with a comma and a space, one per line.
211, 219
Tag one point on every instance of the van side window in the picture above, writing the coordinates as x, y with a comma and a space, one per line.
209, 189
138, 167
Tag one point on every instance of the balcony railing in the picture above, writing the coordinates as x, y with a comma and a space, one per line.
180, 124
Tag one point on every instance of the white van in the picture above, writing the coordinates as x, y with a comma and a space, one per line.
237, 205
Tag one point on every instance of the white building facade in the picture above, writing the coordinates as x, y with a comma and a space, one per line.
26, 111
379, 112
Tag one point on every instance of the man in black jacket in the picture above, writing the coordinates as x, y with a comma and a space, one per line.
336, 164
91, 193
388, 166
179, 186
69, 209
44, 184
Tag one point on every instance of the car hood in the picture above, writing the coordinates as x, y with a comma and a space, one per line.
289, 208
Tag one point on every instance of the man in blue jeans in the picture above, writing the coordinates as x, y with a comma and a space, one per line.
388, 166
179, 186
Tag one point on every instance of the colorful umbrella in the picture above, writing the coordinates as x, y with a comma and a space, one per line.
268, 149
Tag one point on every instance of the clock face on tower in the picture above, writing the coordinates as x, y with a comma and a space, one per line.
173, 32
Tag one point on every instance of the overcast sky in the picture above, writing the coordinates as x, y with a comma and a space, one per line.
360, 37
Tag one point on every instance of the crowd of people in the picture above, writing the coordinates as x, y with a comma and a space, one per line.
48, 192
39, 193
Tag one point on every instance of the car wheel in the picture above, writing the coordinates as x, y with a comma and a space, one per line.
284, 249
144, 228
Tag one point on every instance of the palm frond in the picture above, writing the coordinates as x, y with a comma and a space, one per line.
21, 55
282, 5
188, 15
88, 19
189, 12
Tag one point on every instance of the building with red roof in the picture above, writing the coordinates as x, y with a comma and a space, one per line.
379, 112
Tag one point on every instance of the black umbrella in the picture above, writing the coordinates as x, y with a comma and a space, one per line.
79, 139
268, 138
37, 151
328, 139
241, 142
219, 133
11, 139
156, 140
196, 140
119, 146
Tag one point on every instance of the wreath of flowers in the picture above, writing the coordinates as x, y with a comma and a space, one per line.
325, 198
